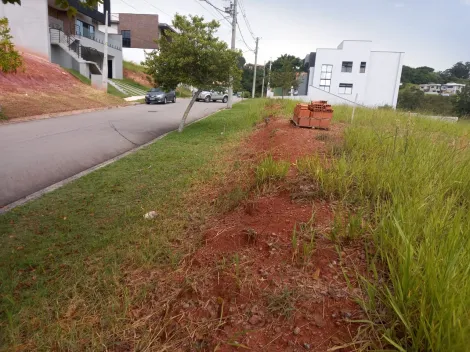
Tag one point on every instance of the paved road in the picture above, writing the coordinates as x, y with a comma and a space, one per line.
37, 154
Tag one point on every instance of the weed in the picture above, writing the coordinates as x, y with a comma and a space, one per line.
251, 236
408, 172
270, 170
322, 137
303, 242
282, 303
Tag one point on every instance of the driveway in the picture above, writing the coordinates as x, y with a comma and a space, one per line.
37, 154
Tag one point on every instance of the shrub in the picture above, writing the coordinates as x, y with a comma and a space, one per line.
10, 59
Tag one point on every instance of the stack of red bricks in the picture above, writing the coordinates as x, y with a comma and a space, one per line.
317, 114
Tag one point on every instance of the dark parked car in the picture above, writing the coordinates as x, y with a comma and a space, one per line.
157, 95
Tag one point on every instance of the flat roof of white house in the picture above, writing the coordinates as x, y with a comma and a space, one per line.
455, 84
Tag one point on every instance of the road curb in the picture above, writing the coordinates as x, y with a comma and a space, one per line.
59, 184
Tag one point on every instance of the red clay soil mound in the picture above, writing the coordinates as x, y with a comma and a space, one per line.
280, 138
138, 77
38, 74
252, 284
41, 87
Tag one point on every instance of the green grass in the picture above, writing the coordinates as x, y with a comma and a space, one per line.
111, 90
412, 174
270, 170
183, 92
66, 259
132, 66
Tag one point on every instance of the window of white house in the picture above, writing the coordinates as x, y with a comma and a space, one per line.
363, 67
345, 88
325, 77
347, 66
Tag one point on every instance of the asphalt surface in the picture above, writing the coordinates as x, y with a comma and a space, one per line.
37, 154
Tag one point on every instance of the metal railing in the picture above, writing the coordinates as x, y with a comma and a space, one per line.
85, 33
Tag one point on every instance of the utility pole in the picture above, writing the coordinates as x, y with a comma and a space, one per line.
233, 11
254, 72
264, 76
104, 73
269, 74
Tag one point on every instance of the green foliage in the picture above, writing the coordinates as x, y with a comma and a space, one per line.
460, 70
462, 103
193, 56
420, 75
246, 83
10, 59
292, 61
410, 97
285, 77
270, 170
183, 92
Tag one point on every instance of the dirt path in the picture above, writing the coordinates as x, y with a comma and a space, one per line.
266, 277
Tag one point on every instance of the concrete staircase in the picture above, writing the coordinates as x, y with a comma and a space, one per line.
127, 88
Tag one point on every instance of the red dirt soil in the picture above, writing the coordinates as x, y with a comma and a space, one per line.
138, 77
237, 290
41, 87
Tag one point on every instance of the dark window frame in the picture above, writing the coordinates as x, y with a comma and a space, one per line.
362, 68
347, 66
347, 88
126, 40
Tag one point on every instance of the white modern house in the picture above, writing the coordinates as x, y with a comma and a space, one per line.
431, 88
451, 88
43, 28
354, 73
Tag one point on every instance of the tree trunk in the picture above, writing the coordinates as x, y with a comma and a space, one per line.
186, 113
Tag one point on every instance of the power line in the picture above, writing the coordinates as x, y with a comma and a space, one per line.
243, 39
211, 13
215, 7
246, 20
157, 8
125, 3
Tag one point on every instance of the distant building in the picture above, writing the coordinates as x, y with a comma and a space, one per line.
139, 31
451, 88
431, 88
351, 70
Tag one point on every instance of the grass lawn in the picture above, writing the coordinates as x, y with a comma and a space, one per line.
74, 263
65, 257
132, 66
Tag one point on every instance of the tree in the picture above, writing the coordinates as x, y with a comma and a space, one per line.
10, 59
419, 75
462, 102
293, 62
193, 55
459, 70
410, 98
285, 77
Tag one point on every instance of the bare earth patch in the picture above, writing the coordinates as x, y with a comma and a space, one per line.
44, 88
266, 276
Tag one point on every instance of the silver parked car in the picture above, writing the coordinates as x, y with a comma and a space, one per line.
212, 95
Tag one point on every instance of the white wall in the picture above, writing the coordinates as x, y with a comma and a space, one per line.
383, 80
29, 26
355, 51
379, 84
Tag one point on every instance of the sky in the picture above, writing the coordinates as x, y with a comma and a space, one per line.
432, 33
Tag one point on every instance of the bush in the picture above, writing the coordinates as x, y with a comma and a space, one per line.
462, 103
410, 98
10, 59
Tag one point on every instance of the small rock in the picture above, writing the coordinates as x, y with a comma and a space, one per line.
297, 331
307, 346
151, 215
186, 306
346, 314
255, 309
255, 320
318, 319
